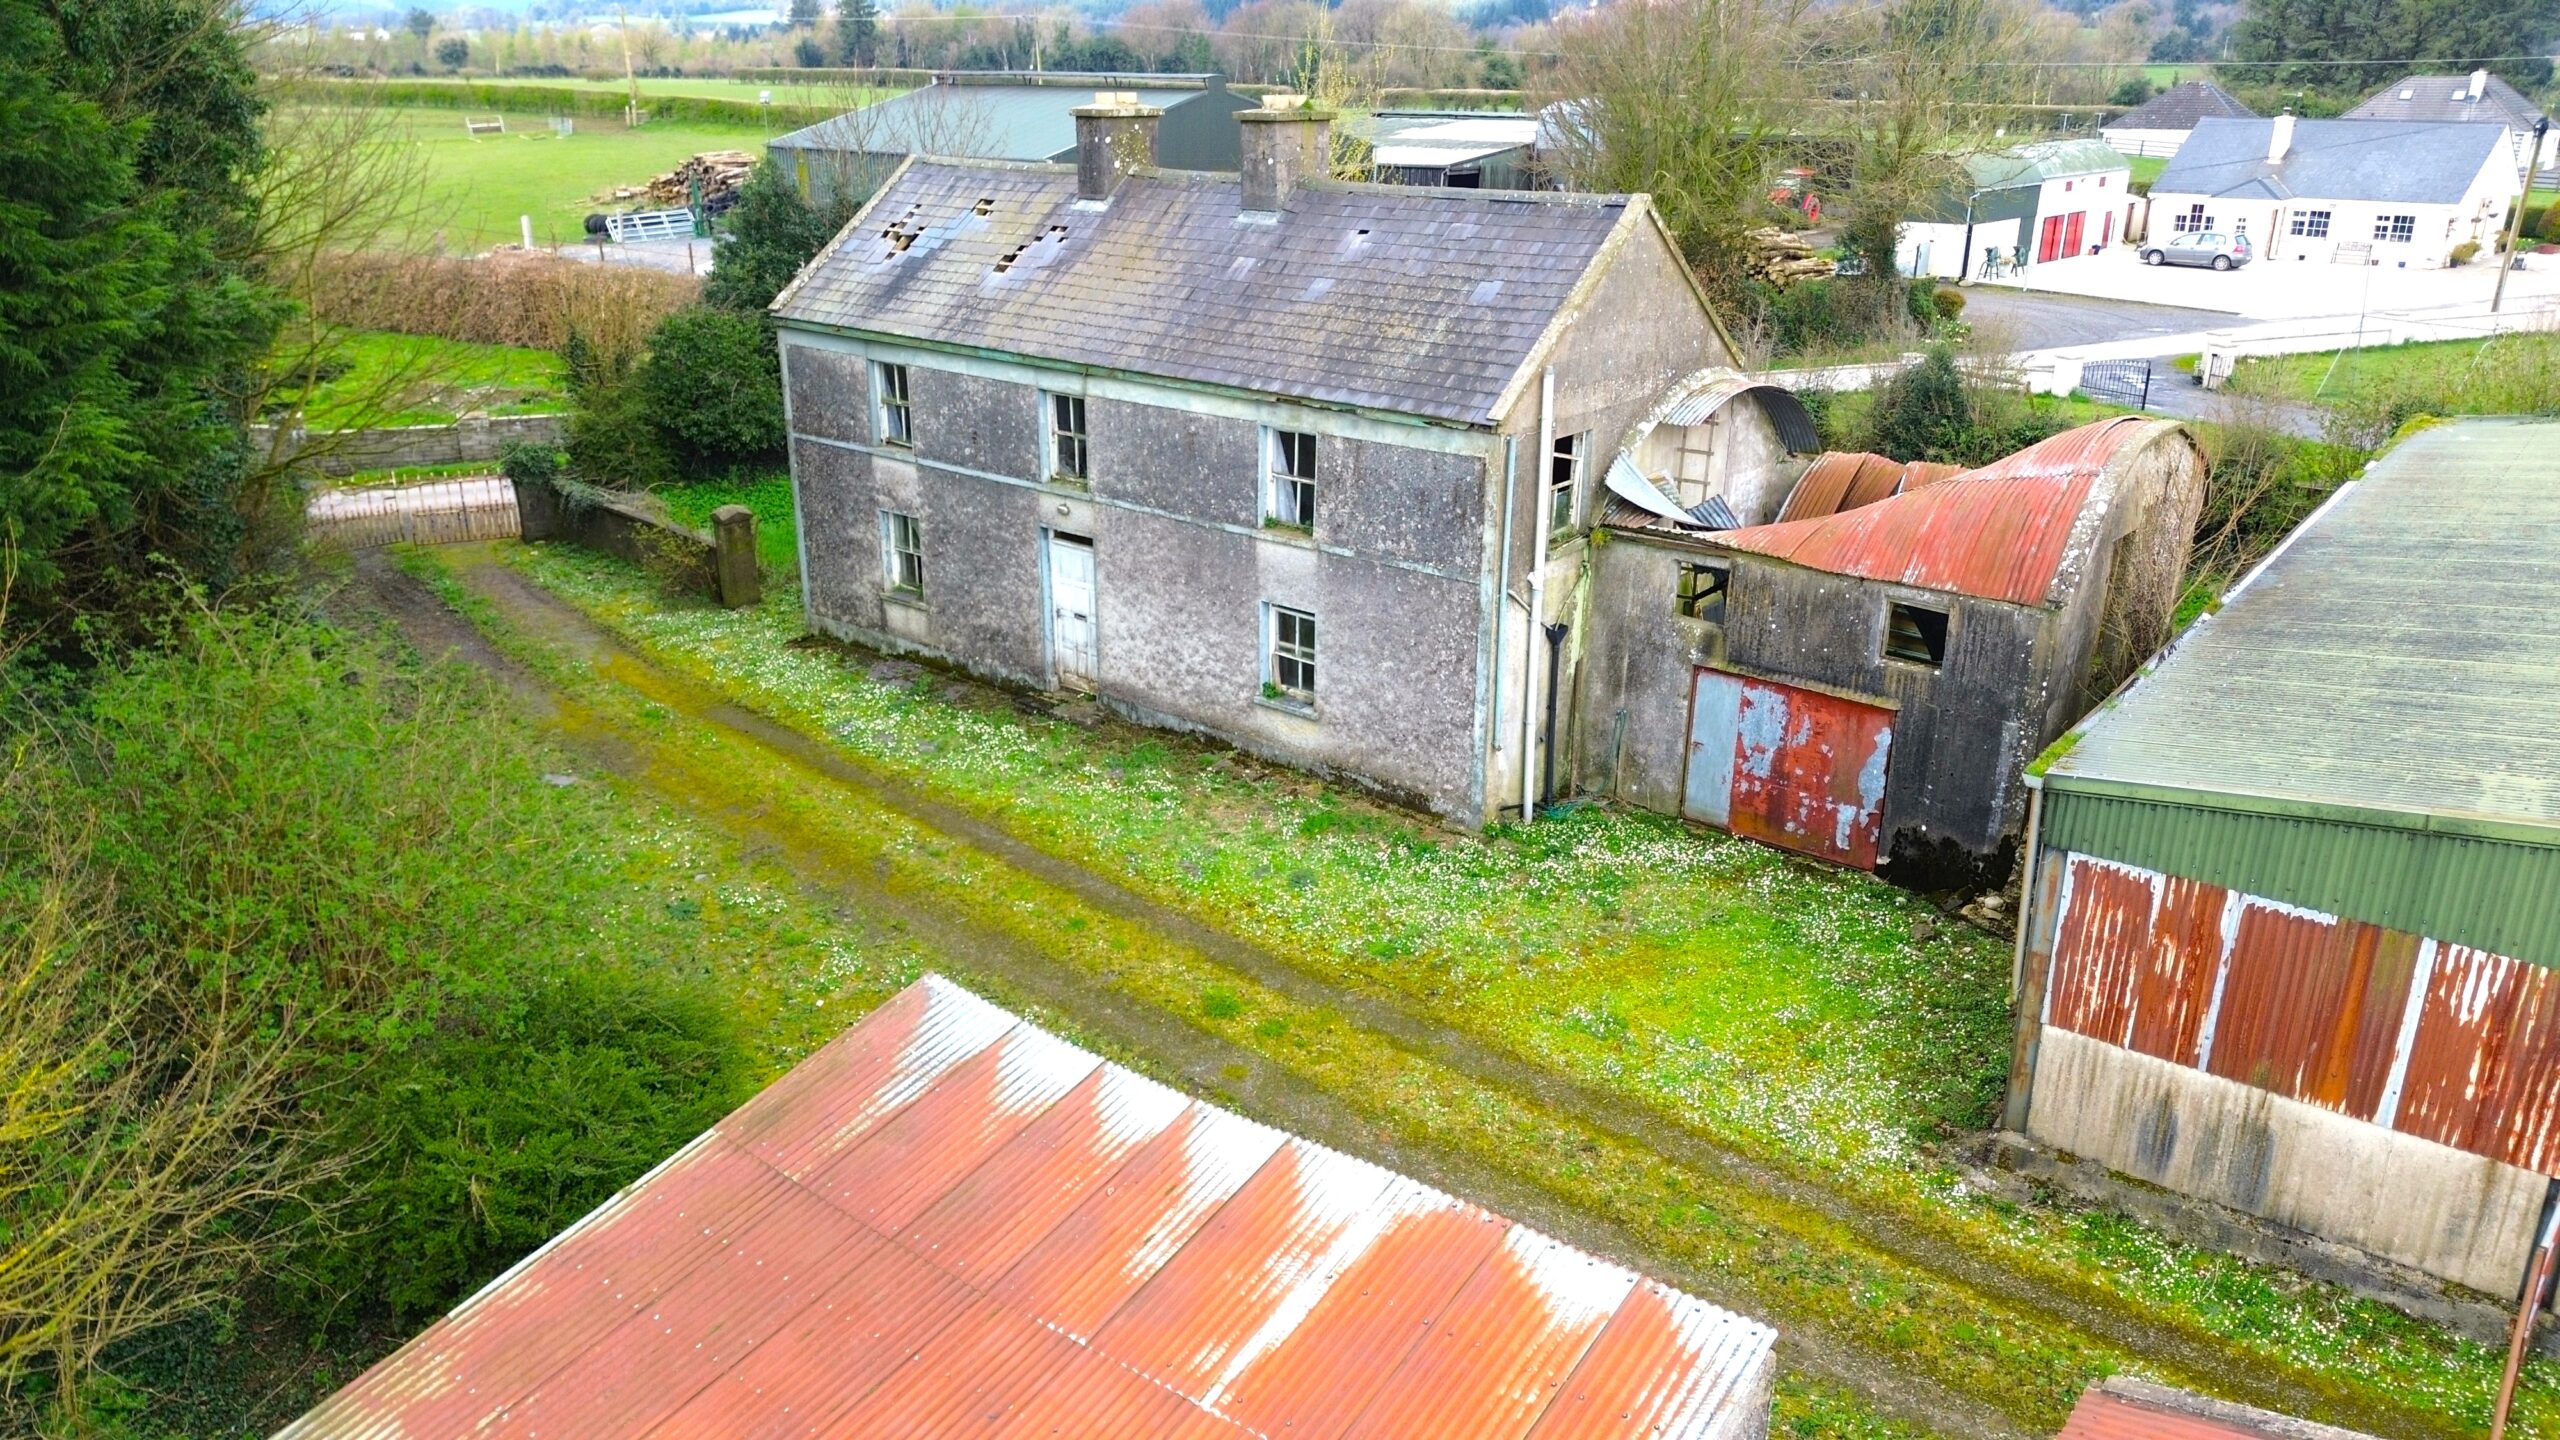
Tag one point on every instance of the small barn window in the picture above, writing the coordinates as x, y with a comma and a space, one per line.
1289, 459
1915, 633
895, 417
1702, 590
902, 553
1067, 456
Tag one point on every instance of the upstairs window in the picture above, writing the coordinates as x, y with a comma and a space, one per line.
1289, 652
1702, 590
1290, 480
896, 419
1067, 456
1564, 483
2398, 228
1915, 633
902, 554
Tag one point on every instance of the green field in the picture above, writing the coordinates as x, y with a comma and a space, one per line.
473, 187
2147, 168
2511, 372
377, 378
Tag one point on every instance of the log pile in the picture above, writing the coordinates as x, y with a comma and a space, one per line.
720, 171
1782, 257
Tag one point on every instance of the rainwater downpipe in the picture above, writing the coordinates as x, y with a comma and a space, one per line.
1555, 683
1537, 599
1502, 590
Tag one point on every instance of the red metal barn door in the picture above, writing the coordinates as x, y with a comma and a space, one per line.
2072, 233
2049, 239
1806, 770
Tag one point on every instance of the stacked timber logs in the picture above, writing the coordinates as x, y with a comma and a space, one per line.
720, 173
1782, 257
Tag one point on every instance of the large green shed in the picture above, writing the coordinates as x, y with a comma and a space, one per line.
2293, 905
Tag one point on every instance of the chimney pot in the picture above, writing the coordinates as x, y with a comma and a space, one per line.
1115, 135
1286, 143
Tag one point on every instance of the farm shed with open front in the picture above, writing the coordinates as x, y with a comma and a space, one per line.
947, 1222
2294, 904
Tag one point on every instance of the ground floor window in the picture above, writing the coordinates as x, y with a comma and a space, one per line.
902, 553
2400, 228
1289, 652
2311, 224
2189, 220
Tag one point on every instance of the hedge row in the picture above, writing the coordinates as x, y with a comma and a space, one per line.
548, 100
529, 300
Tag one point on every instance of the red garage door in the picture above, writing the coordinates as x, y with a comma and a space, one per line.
1789, 767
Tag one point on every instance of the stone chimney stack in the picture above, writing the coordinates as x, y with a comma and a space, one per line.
1115, 135
1286, 143
2280, 138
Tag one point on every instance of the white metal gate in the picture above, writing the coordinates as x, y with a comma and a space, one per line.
1074, 648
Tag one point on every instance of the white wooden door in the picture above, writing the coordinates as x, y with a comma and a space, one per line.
1072, 644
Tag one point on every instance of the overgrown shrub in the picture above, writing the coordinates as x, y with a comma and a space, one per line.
1948, 301
2260, 482
2466, 252
362, 856
530, 300
712, 384
772, 232
613, 439
1935, 410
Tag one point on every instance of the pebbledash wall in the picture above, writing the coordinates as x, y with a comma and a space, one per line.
1174, 514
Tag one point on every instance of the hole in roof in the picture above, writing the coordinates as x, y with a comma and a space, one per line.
1355, 241
986, 206
1485, 291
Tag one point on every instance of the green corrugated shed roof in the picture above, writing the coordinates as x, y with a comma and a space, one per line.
2371, 723
2029, 165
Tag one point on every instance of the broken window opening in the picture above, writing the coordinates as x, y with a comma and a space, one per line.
896, 417
1915, 633
1067, 452
902, 554
1702, 590
1290, 458
1564, 484
1289, 652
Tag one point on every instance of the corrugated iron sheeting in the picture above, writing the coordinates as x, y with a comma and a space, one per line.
1786, 412
2101, 1416
1808, 772
2000, 532
974, 1198
1502, 1353
2484, 1071
2494, 894
2313, 1007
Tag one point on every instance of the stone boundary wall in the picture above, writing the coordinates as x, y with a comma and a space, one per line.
343, 452
719, 566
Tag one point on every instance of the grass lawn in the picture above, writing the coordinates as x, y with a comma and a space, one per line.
2147, 168
1816, 1020
474, 187
379, 378
2446, 370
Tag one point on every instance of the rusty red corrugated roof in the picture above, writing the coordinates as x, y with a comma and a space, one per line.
948, 1222
2000, 532
2126, 1408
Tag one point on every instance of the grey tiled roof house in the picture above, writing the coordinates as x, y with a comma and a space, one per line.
1272, 457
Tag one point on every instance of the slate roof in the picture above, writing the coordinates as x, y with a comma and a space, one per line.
2411, 161
2180, 106
949, 1224
989, 122
2030, 165
1419, 302
2434, 97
